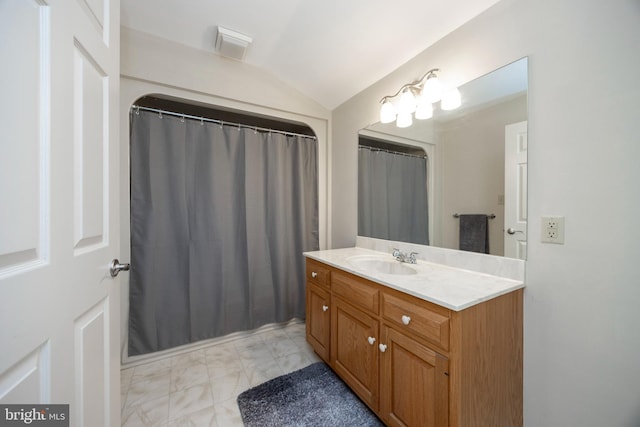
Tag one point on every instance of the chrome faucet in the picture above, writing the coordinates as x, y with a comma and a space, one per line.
403, 257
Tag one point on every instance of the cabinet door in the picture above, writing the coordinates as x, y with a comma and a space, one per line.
354, 349
414, 383
318, 321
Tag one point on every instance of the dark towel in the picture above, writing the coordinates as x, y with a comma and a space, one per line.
474, 233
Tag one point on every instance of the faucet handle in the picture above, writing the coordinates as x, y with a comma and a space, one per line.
412, 257
395, 252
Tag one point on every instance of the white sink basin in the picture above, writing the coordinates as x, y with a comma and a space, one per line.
380, 265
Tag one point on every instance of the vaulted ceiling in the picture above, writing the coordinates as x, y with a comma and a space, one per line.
327, 49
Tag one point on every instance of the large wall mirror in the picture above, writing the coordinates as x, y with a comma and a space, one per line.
428, 183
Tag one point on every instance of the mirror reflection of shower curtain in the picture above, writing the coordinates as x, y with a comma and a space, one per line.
392, 196
220, 216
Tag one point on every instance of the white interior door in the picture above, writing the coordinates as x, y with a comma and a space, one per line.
515, 197
59, 224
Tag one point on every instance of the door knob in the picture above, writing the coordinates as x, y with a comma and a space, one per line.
116, 267
513, 231
325, 307
314, 274
371, 340
406, 319
382, 347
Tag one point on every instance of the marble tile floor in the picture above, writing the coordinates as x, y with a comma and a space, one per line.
200, 388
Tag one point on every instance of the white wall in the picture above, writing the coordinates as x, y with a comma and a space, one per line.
582, 327
150, 65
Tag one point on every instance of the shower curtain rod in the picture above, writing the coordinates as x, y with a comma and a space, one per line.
137, 108
392, 152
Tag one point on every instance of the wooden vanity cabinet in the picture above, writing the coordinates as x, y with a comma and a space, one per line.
416, 363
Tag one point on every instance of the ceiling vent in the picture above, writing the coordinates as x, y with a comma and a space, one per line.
232, 44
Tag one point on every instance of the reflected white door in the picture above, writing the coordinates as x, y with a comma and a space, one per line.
515, 197
59, 224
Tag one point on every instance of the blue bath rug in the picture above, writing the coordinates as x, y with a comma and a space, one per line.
312, 396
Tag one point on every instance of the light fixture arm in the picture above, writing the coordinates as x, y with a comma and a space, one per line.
427, 75
414, 86
408, 85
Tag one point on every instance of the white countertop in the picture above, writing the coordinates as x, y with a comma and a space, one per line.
450, 287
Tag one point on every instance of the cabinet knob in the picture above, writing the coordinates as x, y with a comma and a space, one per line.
325, 307
406, 320
314, 274
371, 340
382, 347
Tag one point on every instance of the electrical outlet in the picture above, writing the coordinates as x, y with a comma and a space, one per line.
552, 229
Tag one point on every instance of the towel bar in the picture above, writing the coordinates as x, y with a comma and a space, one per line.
491, 216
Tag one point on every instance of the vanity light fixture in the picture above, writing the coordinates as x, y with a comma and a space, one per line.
417, 98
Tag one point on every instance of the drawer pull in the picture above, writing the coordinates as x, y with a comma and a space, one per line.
314, 274
406, 320
371, 340
325, 307
382, 347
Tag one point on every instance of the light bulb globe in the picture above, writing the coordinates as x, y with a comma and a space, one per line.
432, 90
404, 120
451, 99
407, 102
387, 112
424, 110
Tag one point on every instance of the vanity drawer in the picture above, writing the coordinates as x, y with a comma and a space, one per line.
419, 317
318, 273
356, 292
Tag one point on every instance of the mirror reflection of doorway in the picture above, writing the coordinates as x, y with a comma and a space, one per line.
515, 191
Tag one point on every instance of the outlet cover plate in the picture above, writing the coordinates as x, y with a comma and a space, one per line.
552, 229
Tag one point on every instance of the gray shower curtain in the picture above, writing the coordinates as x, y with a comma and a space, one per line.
392, 196
220, 216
